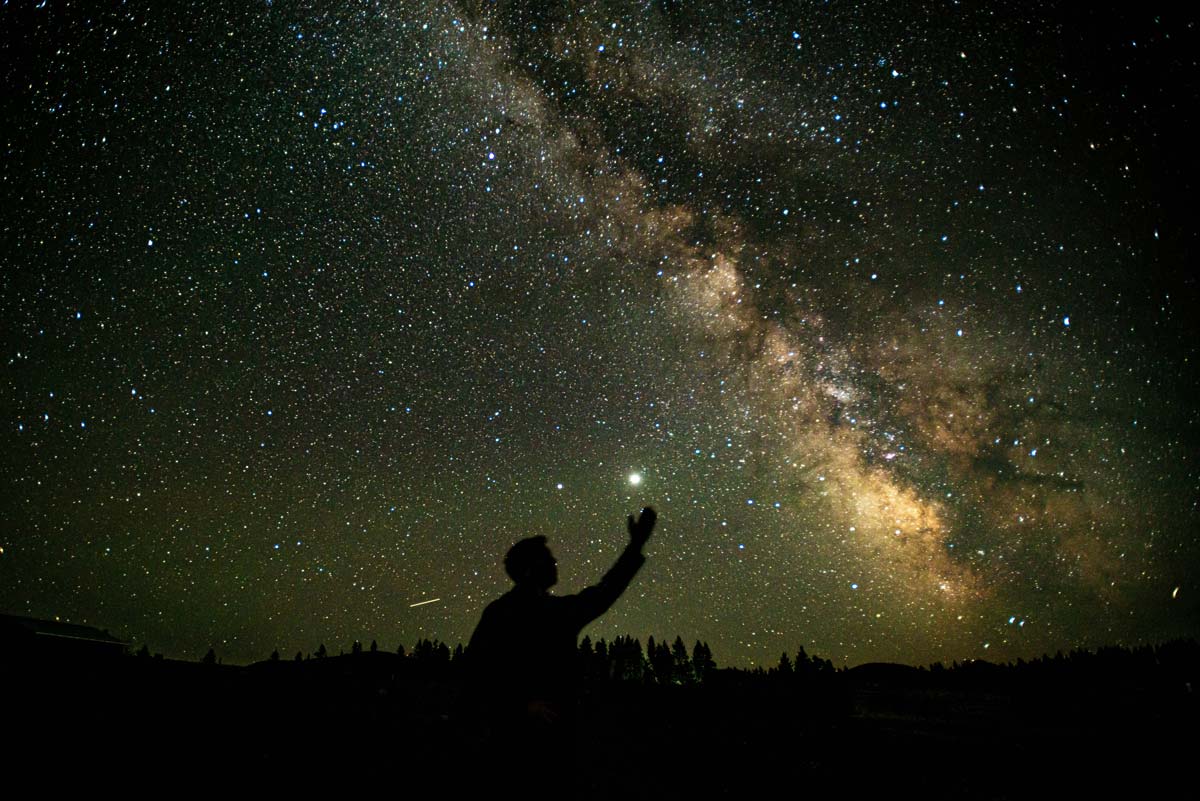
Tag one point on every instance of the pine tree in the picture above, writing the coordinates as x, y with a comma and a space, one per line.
702, 661
628, 664
587, 660
275, 655
321, 652
374, 647
662, 664
616, 657
804, 665
210, 658
681, 663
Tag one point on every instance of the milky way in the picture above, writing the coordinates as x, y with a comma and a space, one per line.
310, 312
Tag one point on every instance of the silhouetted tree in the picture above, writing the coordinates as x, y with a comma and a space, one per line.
321, 652
374, 647
589, 663
806, 665
702, 661
144, 653
423, 650
275, 655
662, 663
785, 665
431, 651
356, 648
681, 663
603, 664
210, 658
299, 656
628, 663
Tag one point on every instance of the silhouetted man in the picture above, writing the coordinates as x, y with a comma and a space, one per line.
523, 652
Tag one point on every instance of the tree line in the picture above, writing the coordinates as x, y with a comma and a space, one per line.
624, 659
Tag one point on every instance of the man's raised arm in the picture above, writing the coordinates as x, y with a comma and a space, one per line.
595, 600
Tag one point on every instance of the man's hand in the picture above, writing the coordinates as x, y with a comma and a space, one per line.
639, 530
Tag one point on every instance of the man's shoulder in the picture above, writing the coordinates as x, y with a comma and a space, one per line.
498, 604
496, 616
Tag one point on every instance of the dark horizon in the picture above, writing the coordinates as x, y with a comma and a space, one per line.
1079, 723
586, 641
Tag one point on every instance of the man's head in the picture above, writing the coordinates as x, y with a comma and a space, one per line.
530, 563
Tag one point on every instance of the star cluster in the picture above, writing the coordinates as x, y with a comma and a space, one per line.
309, 312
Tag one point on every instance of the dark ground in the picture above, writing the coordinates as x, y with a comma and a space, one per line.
375, 722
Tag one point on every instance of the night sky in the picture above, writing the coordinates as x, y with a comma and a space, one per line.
310, 311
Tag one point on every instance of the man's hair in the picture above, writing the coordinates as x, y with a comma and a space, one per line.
523, 555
